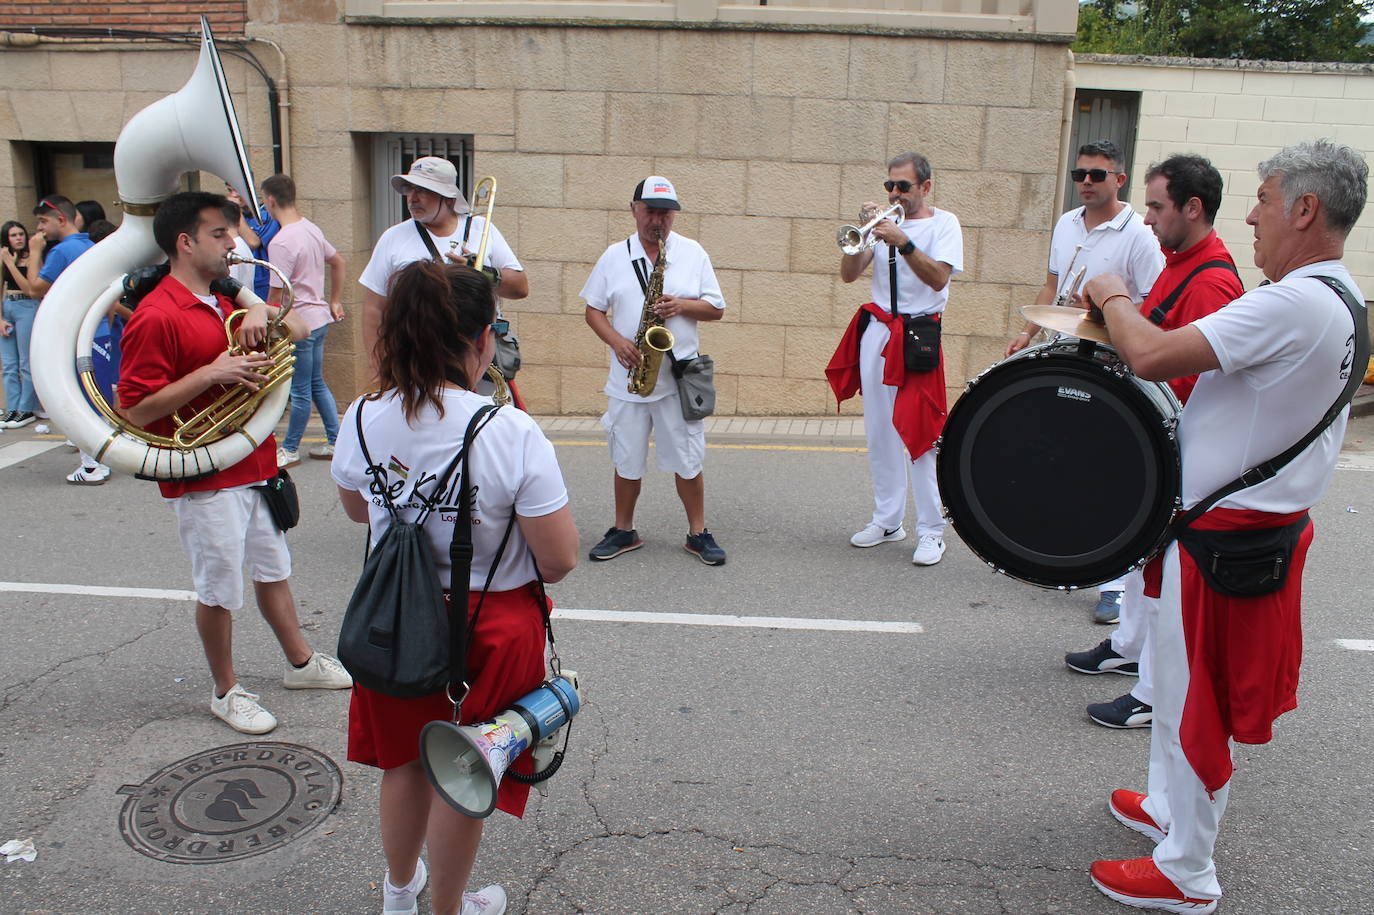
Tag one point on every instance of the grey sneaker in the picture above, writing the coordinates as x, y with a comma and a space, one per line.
614, 543
320, 672
1108, 609
240, 710
1103, 659
323, 452
704, 547
489, 900
1124, 712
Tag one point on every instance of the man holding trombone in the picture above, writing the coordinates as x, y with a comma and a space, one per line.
891, 351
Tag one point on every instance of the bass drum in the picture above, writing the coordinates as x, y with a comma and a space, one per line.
1059, 467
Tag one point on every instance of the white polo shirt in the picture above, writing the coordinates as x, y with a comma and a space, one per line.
614, 287
940, 238
1123, 245
401, 245
1286, 351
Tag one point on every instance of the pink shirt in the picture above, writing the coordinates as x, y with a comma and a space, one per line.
300, 250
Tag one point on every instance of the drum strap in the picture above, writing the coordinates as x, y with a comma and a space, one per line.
1159, 311
1269, 469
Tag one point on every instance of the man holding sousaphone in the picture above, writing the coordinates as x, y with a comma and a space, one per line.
442, 227
891, 352
175, 362
1277, 368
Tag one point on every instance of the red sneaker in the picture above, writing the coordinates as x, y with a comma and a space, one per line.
1126, 807
1137, 882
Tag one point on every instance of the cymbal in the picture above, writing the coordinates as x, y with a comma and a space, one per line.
1066, 320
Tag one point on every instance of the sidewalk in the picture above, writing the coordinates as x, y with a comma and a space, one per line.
786, 428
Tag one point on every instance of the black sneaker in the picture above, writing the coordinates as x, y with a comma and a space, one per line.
20, 420
1124, 712
8, 418
614, 543
704, 547
1101, 660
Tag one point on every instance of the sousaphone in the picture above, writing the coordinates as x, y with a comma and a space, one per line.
194, 129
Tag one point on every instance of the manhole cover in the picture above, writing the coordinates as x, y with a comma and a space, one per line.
230, 802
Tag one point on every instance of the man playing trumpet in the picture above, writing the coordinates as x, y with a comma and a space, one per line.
904, 411
175, 360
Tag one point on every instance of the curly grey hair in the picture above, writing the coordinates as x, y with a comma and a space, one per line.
1336, 174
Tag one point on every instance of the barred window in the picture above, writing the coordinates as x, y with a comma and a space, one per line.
392, 154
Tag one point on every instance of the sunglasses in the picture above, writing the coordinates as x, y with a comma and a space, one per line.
902, 186
1095, 175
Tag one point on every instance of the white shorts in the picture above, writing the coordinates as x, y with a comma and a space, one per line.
224, 531
681, 444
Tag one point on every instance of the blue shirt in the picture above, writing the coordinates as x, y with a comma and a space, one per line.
266, 227
60, 256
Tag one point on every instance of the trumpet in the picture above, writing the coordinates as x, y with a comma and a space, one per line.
857, 239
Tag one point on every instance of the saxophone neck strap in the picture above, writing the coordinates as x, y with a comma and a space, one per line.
641, 268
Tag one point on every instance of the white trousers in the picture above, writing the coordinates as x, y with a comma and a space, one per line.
1177, 800
1132, 639
1116, 584
888, 461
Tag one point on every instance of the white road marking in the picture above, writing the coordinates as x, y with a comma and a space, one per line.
1355, 460
22, 451
561, 613
1356, 644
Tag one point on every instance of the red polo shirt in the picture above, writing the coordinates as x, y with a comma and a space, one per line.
1207, 292
171, 334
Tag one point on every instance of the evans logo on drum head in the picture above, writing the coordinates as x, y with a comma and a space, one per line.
1075, 394
230, 802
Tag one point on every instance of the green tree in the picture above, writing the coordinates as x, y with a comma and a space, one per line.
1315, 30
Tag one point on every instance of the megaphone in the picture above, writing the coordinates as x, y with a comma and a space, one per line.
465, 763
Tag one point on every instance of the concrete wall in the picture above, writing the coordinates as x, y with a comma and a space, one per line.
773, 139
1238, 113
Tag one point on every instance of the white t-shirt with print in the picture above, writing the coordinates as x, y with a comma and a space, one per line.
940, 238
513, 467
614, 287
1123, 245
401, 245
1285, 351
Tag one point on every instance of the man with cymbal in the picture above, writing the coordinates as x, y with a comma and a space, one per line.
1259, 440
1104, 235
1182, 196
904, 402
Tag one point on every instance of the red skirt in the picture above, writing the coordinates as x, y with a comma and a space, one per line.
505, 662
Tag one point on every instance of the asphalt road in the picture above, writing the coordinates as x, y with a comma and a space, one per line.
713, 768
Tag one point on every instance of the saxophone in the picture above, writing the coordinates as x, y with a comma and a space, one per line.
652, 339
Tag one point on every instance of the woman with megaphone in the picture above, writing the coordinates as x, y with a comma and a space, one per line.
433, 344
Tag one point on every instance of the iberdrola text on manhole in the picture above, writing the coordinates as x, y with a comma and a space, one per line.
230, 803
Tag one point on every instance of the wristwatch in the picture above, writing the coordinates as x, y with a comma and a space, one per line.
907, 248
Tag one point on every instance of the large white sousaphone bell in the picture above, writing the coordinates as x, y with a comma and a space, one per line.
465, 763
194, 129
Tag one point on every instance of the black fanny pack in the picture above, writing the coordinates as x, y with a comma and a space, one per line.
282, 503
921, 342
1244, 563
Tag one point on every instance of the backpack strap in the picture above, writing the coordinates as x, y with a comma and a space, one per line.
1158, 313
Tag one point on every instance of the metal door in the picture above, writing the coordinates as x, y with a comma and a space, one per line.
1101, 114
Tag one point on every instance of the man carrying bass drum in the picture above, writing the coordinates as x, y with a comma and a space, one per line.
1274, 366
904, 411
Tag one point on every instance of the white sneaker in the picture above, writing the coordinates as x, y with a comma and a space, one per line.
929, 551
323, 452
71, 446
874, 535
401, 901
489, 900
287, 458
89, 476
240, 710
320, 672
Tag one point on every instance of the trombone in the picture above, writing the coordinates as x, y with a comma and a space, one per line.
486, 189
857, 239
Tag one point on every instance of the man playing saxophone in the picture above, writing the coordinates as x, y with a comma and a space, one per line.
176, 360
655, 277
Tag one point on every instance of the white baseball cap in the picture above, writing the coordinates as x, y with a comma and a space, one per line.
657, 192
433, 174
